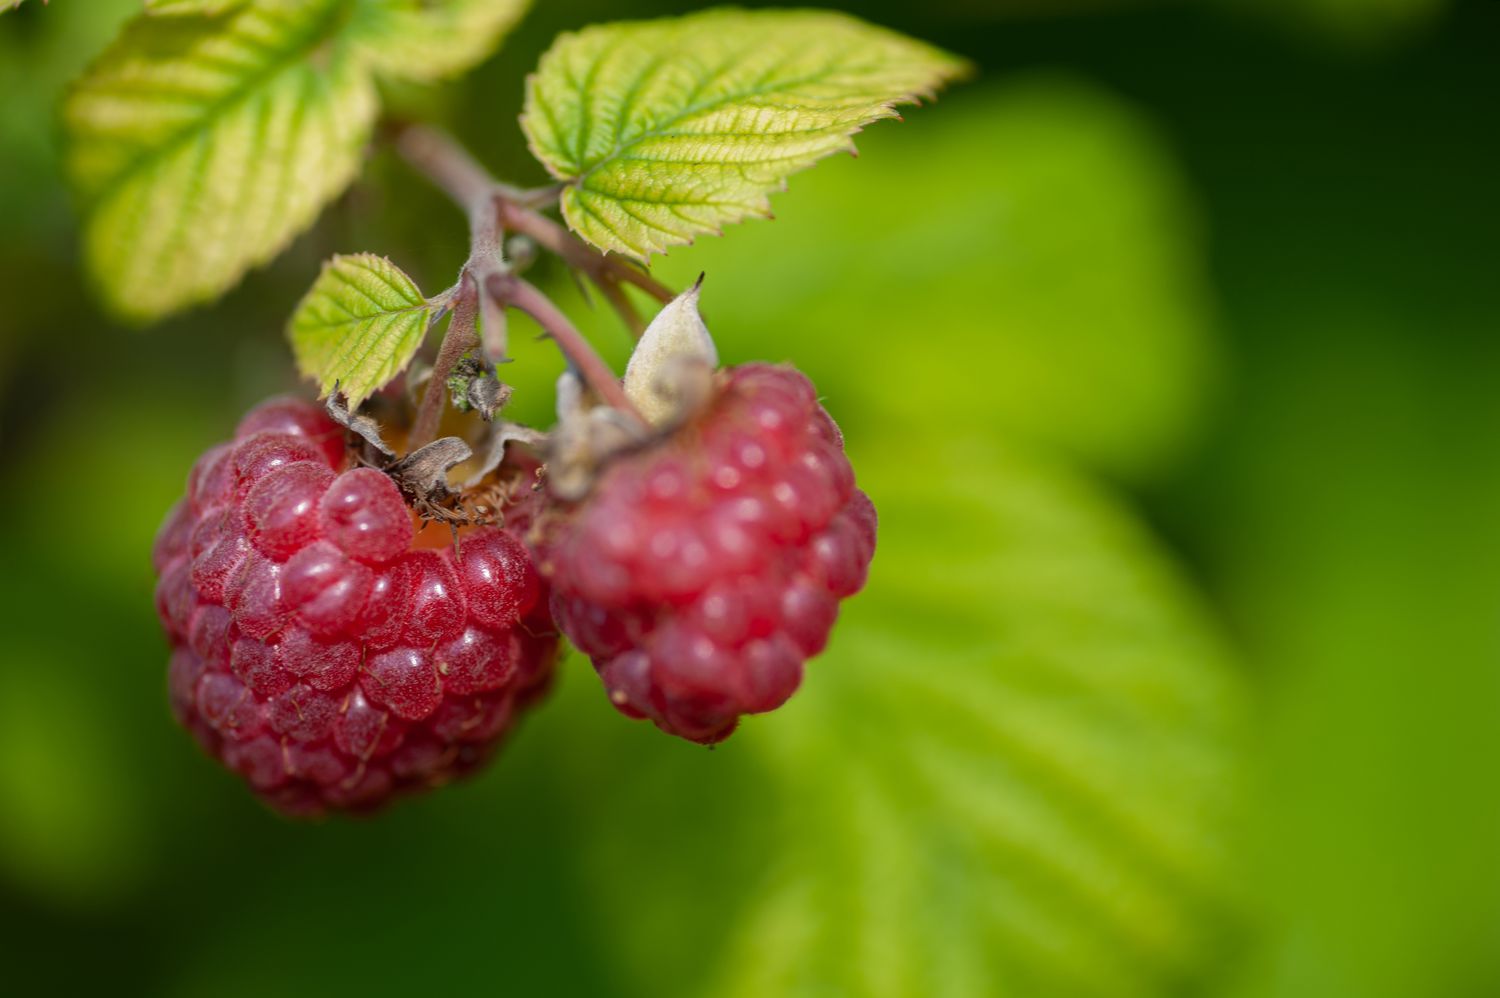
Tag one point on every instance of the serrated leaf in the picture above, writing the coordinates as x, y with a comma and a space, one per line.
431, 39
202, 146
667, 130
1014, 773
359, 325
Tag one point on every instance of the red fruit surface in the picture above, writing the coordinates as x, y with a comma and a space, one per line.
314, 650
700, 573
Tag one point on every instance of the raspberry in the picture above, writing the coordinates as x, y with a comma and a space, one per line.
316, 650
701, 572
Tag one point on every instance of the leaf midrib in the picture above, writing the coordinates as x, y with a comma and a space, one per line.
356, 319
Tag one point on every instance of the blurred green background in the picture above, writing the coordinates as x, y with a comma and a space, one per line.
1168, 350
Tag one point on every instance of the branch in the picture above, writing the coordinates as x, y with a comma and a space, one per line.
486, 281
450, 166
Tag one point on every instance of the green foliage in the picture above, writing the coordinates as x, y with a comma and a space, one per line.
667, 130
1029, 793
202, 146
423, 40
359, 325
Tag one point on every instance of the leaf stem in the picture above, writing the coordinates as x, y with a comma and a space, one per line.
508, 289
602, 270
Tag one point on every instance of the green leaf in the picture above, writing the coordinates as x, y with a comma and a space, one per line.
1016, 771
431, 39
667, 130
359, 325
202, 146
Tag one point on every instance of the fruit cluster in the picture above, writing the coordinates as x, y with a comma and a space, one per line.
319, 649
334, 654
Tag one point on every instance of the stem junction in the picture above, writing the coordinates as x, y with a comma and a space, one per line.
487, 286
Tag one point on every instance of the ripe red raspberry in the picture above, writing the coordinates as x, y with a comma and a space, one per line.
320, 647
702, 571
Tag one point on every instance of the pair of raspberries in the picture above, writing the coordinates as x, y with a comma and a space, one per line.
335, 655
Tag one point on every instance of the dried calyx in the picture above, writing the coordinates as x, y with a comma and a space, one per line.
363, 426
670, 378
671, 371
422, 475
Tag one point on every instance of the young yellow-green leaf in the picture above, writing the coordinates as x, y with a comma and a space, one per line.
1015, 772
667, 130
431, 39
202, 146
359, 325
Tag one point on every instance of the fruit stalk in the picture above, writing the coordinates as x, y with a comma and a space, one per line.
509, 289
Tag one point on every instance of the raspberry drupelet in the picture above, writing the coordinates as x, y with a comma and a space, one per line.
701, 571
319, 648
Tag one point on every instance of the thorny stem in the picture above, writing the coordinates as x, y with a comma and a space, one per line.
486, 284
457, 341
512, 290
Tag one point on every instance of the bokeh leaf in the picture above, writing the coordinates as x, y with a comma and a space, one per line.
359, 325
1016, 771
207, 7
202, 146
69, 828
1369, 23
426, 40
667, 130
